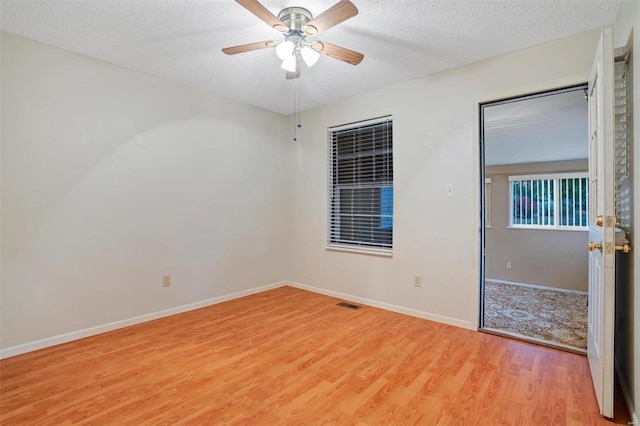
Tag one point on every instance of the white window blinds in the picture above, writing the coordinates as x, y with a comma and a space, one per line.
361, 185
549, 201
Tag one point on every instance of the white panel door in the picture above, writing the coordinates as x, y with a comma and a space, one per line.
602, 220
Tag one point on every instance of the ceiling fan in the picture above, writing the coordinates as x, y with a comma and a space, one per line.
297, 23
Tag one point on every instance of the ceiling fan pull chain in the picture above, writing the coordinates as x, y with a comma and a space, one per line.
296, 102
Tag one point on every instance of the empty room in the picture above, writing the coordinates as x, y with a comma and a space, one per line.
286, 212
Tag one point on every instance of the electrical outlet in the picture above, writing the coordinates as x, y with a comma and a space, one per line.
417, 281
508, 265
166, 281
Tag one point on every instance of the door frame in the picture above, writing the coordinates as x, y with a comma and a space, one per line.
479, 176
573, 87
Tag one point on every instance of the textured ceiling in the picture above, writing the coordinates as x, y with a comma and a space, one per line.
545, 128
180, 40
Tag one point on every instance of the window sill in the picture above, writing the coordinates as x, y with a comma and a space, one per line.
535, 228
365, 251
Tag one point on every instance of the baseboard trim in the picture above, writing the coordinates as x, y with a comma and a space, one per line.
91, 331
625, 392
542, 287
386, 306
87, 332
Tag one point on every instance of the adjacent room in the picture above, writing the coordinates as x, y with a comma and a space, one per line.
536, 209
275, 212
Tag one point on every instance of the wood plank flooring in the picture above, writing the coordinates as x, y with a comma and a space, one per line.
288, 356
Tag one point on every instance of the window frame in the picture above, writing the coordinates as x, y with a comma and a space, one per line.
556, 178
358, 246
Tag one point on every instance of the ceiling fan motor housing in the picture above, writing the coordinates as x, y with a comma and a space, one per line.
295, 18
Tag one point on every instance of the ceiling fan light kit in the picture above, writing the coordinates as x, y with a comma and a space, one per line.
285, 49
309, 56
297, 23
290, 64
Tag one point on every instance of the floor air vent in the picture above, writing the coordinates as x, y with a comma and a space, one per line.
348, 305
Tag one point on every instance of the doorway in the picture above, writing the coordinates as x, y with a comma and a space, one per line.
535, 217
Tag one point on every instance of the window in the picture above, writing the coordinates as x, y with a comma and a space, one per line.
549, 201
361, 185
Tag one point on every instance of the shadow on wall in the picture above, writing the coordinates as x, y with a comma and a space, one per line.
177, 199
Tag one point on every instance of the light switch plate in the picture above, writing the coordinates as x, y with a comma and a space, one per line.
449, 189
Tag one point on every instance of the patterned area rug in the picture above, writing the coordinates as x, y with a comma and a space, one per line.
554, 316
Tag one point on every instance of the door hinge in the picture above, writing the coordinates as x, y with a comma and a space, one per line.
621, 54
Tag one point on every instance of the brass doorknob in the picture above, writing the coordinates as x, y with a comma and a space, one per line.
593, 246
600, 221
625, 248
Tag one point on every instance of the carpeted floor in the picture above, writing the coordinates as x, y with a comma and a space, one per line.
554, 316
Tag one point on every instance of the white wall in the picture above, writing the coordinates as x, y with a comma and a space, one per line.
628, 337
112, 179
435, 143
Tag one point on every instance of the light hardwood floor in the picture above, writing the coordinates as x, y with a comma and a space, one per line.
288, 356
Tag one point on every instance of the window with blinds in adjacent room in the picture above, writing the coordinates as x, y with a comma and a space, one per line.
558, 201
361, 185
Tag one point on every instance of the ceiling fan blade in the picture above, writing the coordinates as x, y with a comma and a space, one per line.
331, 17
249, 47
336, 52
263, 13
